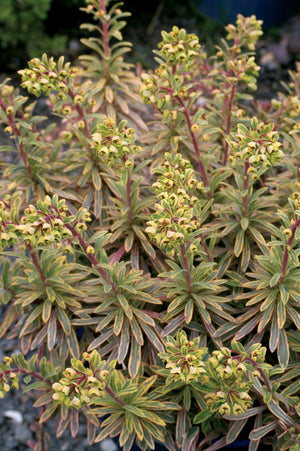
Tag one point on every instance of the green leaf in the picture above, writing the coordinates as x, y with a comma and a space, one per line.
203, 416
235, 430
48, 413
267, 397
284, 293
283, 349
64, 320
274, 335
259, 433
280, 414
125, 306
188, 311
275, 279
134, 358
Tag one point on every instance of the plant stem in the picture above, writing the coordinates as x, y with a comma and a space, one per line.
19, 143
194, 140
128, 196
205, 247
36, 262
92, 258
228, 123
104, 31
23, 371
186, 268
110, 392
285, 259
246, 188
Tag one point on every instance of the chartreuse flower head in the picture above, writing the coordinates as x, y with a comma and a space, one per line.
185, 360
178, 46
81, 383
175, 218
114, 143
46, 76
9, 209
258, 145
8, 378
245, 32
45, 223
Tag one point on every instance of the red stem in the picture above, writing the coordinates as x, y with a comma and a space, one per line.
23, 371
36, 262
92, 258
186, 268
246, 188
285, 259
105, 31
19, 143
194, 140
228, 123
205, 247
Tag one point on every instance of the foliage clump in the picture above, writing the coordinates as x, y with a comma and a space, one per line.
149, 238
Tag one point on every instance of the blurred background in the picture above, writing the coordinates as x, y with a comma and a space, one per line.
30, 27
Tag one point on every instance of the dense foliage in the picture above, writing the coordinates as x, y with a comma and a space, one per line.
150, 243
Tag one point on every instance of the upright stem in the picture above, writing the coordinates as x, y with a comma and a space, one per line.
186, 268
19, 143
285, 259
205, 247
128, 196
36, 263
92, 258
105, 31
80, 112
228, 123
110, 392
194, 140
246, 188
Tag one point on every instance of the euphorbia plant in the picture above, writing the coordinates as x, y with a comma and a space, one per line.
150, 251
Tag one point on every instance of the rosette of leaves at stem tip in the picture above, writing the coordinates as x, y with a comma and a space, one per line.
176, 215
123, 323
273, 299
115, 143
258, 145
45, 76
45, 223
133, 411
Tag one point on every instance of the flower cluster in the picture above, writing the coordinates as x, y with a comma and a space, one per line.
229, 383
80, 383
46, 222
8, 216
46, 76
167, 87
185, 360
178, 46
258, 145
8, 378
174, 219
224, 377
246, 32
114, 143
